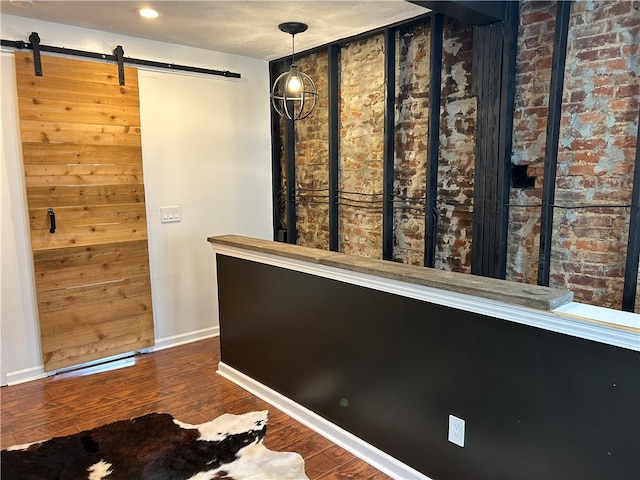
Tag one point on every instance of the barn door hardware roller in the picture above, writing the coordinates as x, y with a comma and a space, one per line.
52, 220
34, 38
118, 52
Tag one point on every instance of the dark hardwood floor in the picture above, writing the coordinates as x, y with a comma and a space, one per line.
181, 381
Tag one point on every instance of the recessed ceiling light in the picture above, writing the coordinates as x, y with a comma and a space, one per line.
147, 12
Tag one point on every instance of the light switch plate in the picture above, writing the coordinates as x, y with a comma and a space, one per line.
170, 214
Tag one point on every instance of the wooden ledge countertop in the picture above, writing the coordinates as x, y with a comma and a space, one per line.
533, 296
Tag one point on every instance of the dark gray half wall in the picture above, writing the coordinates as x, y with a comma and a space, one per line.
390, 369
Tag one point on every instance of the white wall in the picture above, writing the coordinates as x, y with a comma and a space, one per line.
206, 148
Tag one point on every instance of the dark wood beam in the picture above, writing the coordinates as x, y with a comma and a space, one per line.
494, 59
389, 141
334, 144
275, 68
433, 152
487, 48
469, 11
553, 135
633, 244
292, 215
505, 140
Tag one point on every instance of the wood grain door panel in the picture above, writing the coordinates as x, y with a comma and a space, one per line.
81, 144
78, 154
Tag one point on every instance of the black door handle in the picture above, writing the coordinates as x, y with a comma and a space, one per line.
52, 219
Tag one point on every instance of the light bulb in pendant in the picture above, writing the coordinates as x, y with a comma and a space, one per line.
294, 84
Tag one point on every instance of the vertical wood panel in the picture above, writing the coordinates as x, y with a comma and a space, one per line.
493, 161
493, 66
82, 157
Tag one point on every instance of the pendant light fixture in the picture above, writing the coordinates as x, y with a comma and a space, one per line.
294, 95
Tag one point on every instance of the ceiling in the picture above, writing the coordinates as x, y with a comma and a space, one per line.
248, 28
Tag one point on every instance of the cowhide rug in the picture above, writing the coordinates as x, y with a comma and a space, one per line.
157, 447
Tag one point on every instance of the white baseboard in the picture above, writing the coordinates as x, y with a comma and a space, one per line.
26, 375
175, 340
370, 454
36, 373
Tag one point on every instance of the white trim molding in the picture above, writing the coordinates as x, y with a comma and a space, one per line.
26, 375
183, 338
609, 329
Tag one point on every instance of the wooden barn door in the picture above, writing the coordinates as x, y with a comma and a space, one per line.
82, 159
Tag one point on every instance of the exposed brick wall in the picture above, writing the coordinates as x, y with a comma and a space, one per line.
361, 146
533, 75
312, 160
412, 118
457, 151
595, 163
596, 151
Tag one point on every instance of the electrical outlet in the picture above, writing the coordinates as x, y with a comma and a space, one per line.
456, 430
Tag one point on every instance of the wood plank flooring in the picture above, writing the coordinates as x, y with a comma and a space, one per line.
181, 381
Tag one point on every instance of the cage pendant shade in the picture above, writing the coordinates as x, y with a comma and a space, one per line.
294, 95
